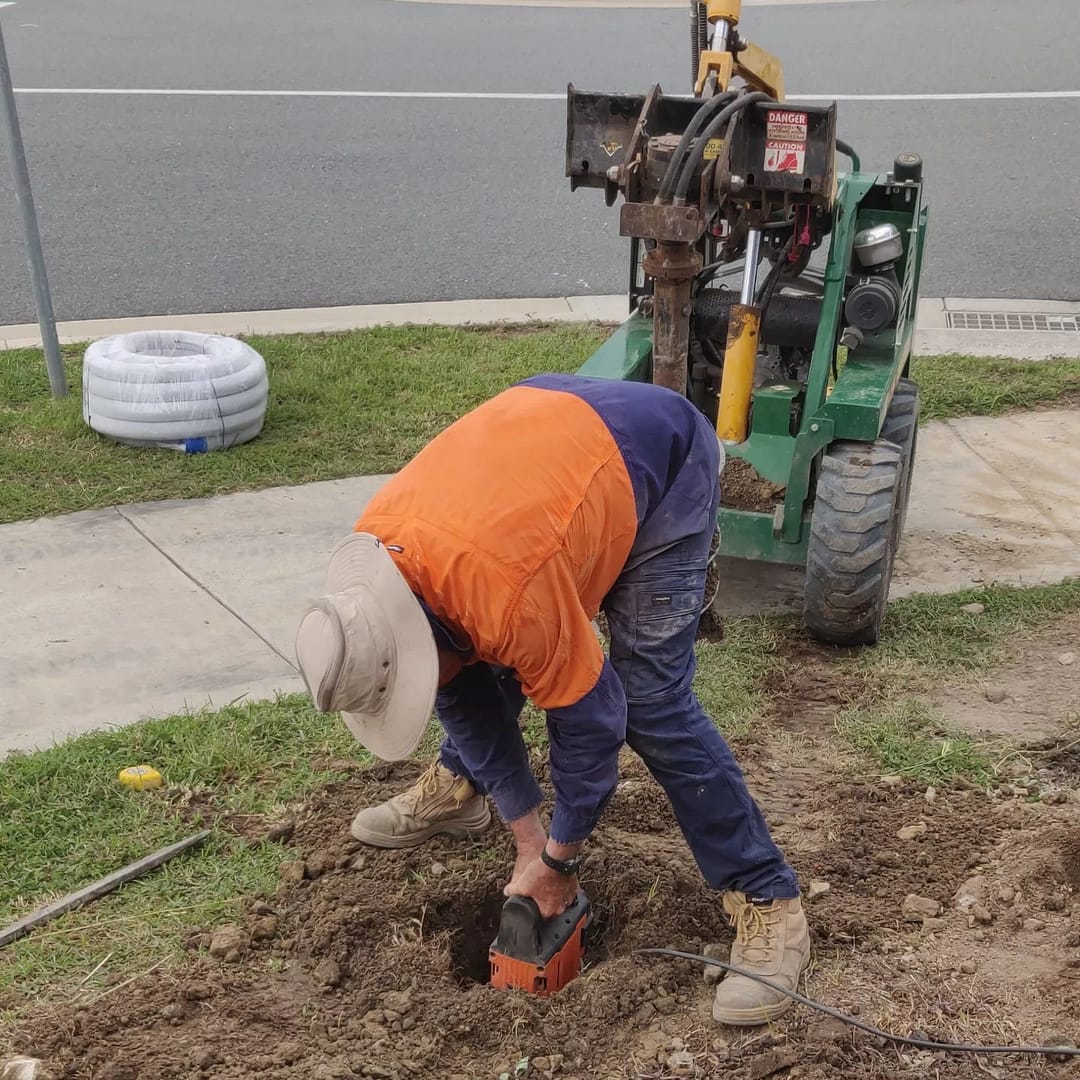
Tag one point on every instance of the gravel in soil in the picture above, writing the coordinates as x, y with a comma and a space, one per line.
372, 964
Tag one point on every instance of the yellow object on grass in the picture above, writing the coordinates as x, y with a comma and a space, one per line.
140, 777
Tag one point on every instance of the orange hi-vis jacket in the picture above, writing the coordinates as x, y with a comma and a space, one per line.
514, 523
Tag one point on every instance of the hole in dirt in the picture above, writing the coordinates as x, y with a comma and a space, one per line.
473, 924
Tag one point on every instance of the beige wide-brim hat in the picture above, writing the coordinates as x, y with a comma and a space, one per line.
366, 650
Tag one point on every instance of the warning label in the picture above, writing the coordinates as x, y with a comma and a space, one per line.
713, 149
787, 156
788, 126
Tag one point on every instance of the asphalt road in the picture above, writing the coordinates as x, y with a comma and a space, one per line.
154, 204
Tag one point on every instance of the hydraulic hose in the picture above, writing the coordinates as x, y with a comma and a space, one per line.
717, 124
769, 287
701, 117
849, 151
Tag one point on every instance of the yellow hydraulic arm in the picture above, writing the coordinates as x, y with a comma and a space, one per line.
759, 69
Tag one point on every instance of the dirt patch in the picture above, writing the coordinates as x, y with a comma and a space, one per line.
742, 487
377, 960
1028, 698
807, 693
374, 964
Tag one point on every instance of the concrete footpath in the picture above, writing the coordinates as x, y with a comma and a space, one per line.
113, 615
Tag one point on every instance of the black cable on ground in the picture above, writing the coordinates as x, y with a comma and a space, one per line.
696, 156
836, 1014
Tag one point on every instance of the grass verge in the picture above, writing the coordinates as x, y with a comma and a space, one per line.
928, 637
65, 821
340, 405
977, 386
364, 402
929, 641
906, 737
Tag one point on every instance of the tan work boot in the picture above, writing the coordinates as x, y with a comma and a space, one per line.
771, 940
439, 802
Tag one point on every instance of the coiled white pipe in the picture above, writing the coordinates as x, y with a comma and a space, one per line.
176, 389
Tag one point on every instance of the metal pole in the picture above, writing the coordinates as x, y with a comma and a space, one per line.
24, 197
750, 266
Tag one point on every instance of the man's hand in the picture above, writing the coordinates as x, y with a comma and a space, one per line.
552, 892
529, 840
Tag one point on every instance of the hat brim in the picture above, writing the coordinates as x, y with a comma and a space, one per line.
396, 730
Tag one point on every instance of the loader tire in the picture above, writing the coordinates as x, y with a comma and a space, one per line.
901, 426
853, 536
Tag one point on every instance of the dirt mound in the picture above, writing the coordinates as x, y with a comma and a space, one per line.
744, 488
378, 958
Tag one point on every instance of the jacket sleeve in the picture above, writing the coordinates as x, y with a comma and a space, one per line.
550, 641
585, 739
479, 710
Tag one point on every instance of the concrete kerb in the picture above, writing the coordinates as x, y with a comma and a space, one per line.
933, 335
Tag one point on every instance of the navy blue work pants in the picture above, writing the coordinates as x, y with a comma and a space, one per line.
653, 612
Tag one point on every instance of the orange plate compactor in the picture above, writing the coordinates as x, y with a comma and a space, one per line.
539, 956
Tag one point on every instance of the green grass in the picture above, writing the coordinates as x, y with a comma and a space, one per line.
340, 405
731, 674
906, 737
976, 386
928, 637
363, 402
65, 820
928, 641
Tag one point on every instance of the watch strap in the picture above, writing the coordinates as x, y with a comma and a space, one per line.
568, 867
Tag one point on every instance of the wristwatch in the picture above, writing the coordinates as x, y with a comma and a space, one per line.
567, 867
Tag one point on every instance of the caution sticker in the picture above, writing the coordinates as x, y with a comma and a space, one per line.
787, 156
786, 126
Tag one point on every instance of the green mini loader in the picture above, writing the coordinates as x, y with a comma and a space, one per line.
777, 293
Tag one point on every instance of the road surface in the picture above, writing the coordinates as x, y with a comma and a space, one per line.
171, 202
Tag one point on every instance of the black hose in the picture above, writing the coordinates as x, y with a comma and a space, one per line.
700, 118
848, 150
836, 1014
717, 124
765, 294
706, 274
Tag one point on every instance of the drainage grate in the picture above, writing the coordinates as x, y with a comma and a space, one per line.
1012, 320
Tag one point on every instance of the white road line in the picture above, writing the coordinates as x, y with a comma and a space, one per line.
452, 95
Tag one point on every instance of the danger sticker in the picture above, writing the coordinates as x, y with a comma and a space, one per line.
786, 156
790, 126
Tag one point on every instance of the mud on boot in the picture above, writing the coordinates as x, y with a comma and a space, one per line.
439, 803
772, 939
